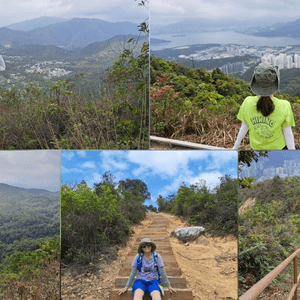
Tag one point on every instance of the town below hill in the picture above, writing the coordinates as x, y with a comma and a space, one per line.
86, 67
239, 60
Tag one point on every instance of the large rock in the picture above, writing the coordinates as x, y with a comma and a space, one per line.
187, 234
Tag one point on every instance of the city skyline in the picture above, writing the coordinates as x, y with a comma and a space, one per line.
281, 163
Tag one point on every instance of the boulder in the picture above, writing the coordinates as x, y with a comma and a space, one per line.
187, 234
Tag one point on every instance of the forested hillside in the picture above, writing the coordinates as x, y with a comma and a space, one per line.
29, 243
269, 231
198, 105
26, 216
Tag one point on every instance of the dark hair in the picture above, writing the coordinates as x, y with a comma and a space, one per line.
265, 105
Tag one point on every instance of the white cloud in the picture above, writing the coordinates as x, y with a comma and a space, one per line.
111, 160
220, 158
81, 153
65, 170
68, 155
164, 162
89, 165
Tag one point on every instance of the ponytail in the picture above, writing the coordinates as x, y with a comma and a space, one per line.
265, 105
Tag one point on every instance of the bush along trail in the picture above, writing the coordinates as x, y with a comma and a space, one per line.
204, 269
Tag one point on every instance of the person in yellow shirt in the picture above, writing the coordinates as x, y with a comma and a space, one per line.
268, 119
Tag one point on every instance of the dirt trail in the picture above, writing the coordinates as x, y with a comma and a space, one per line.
209, 265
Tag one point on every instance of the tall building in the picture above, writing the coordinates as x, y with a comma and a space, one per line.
282, 60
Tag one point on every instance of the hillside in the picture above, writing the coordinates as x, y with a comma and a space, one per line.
288, 29
74, 33
86, 67
26, 217
200, 106
35, 23
269, 231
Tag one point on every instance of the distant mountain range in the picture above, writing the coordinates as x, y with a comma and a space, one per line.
197, 25
71, 34
54, 52
291, 29
35, 23
258, 27
6, 188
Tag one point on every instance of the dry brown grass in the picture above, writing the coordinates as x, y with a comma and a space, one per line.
45, 284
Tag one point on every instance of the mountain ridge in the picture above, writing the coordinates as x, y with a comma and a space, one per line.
35, 23
74, 33
8, 187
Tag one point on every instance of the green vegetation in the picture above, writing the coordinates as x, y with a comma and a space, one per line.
186, 101
93, 219
29, 246
91, 110
32, 274
214, 209
61, 118
269, 231
27, 217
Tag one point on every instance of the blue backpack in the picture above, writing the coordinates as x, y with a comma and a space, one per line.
139, 267
140, 263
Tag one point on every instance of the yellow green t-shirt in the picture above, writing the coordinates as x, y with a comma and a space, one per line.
266, 133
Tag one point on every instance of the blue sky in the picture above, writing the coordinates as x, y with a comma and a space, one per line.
162, 171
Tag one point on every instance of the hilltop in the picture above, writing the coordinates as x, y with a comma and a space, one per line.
35, 23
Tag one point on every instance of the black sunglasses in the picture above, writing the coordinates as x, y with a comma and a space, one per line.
146, 245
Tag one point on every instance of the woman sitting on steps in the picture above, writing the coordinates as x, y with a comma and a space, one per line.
148, 266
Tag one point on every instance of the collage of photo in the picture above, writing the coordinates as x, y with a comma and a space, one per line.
149, 150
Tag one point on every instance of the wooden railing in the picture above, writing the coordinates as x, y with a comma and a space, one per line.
253, 292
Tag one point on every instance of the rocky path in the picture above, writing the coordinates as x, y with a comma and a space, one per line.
205, 268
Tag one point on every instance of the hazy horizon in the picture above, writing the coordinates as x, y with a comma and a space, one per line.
17, 11
167, 11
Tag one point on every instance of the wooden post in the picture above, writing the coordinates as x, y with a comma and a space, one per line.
295, 276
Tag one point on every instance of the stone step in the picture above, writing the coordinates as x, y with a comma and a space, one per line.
161, 252
176, 282
182, 294
166, 258
156, 227
156, 233
171, 271
164, 243
154, 238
